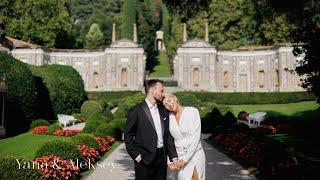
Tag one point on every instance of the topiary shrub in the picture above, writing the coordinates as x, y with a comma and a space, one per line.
86, 139
11, 169
240, 127
64, 85
107, 113
229, 119
66, 150
39, 122
103, 130
111, 129
53, 128
216, 118
79, 117
98, 117
91, 126
120, 114
20, 96
91, 107
120, 123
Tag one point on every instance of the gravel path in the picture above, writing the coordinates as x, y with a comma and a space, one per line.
119, 166
78, 126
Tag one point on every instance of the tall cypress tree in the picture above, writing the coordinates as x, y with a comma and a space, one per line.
129, 16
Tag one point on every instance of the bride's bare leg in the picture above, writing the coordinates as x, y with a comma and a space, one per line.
195, 174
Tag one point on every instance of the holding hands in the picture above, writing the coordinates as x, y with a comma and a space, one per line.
176, 165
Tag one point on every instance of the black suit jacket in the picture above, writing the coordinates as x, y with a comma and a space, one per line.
140, 135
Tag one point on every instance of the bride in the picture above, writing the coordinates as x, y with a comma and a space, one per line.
185, 128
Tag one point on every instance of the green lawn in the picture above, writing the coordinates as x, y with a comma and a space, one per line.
290, 109
162, 68
25, 145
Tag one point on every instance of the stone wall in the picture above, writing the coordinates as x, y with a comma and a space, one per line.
119, 67
198, 66
267, 70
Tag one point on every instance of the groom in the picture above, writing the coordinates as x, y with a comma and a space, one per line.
147, 137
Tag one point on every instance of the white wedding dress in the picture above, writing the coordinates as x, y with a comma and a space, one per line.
186, 136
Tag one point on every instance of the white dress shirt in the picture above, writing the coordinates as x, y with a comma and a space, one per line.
157, 123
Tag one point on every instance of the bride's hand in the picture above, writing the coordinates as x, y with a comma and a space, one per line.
181, 163
173, 166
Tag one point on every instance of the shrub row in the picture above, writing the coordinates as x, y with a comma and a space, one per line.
11, 169
111, 95
245, 98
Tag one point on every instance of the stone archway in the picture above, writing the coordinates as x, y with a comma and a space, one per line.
196, 77
124, 77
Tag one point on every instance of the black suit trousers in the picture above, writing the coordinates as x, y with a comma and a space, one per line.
157, 170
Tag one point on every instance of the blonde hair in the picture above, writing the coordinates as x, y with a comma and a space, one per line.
168, 95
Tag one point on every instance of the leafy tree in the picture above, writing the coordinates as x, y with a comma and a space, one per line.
187, 8
274, 27
196, 25
306, 16
231, 23
165, 22
102, 12
176, 30
94, 38
146, 29
37, 21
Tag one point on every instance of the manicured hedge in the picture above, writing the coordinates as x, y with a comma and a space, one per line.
111, 95
21, 94
10, 169
90, 107
91, 126
250, 98
39, 122
53, 128
66, 150
64, 85
86, 139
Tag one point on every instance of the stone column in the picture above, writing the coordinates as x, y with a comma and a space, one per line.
113, 32
184, 32
206, 38
135, 32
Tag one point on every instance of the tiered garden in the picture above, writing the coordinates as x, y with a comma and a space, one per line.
37, 146
285, 146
